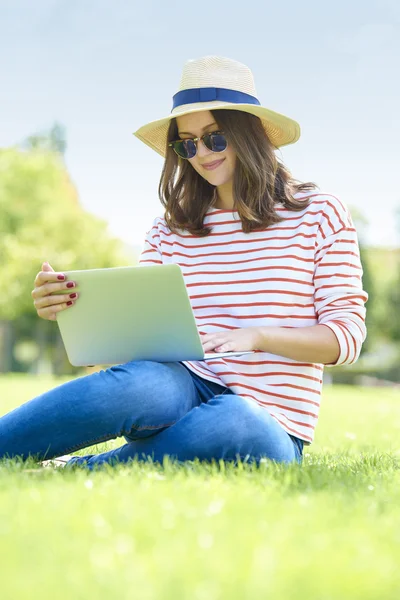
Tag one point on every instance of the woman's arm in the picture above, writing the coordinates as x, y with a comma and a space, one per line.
316, 344
338, 299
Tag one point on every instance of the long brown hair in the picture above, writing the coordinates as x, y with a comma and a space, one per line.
260, 179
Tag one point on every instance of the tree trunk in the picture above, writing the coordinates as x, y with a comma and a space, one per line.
6, 346
41, 338
59, 356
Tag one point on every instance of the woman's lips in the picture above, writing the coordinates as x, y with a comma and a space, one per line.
213, 165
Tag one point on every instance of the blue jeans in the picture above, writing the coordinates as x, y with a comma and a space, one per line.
160, 408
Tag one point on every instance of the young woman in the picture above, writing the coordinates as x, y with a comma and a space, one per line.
271, 265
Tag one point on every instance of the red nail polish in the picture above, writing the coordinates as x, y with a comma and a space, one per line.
70, 284
72, 295
69, 303
61, 277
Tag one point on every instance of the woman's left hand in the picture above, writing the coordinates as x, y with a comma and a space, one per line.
235, 340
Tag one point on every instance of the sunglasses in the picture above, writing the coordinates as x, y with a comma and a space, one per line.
215, 141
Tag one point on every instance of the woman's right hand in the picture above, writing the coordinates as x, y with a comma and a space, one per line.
48, 281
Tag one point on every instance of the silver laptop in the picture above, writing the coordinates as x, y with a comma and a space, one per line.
131, 313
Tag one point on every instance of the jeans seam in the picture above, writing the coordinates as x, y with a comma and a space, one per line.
138, 428
106, 437
87, 443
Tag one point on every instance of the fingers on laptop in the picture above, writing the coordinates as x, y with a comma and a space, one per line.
52, 293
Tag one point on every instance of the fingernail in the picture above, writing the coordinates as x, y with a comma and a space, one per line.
70, 284
61, 277
69, 303
72, 295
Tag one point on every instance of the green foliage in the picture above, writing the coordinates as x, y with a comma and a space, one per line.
393, 294
361, 224
356, 374
368, 286
41, 219
383, 265
52, 141
327, 530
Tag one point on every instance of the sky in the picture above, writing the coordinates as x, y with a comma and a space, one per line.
104, 68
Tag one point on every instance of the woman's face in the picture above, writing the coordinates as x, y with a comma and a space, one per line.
216, 167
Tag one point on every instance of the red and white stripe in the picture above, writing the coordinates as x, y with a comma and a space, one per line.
303, 271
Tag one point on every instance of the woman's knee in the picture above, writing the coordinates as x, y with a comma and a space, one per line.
247, 429
148, 378
238, 416
235, 407
157, 390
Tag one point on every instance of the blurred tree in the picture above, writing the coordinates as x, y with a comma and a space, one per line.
54, 140
368, 286
393, 294
41, 219
361, 224
394, 304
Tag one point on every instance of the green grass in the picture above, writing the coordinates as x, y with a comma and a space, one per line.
329, 529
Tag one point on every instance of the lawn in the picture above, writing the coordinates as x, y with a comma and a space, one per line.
328, 529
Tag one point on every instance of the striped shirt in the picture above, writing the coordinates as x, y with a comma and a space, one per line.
300, 272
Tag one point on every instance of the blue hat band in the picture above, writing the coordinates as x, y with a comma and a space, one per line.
210, 94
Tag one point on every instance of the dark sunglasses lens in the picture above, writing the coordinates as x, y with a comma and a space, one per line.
216, 142
185, 148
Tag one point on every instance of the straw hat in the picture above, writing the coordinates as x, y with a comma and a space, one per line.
211, 83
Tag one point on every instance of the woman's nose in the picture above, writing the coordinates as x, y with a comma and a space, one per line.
202, 149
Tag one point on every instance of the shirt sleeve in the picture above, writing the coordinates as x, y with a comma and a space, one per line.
339, 297
151, 253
